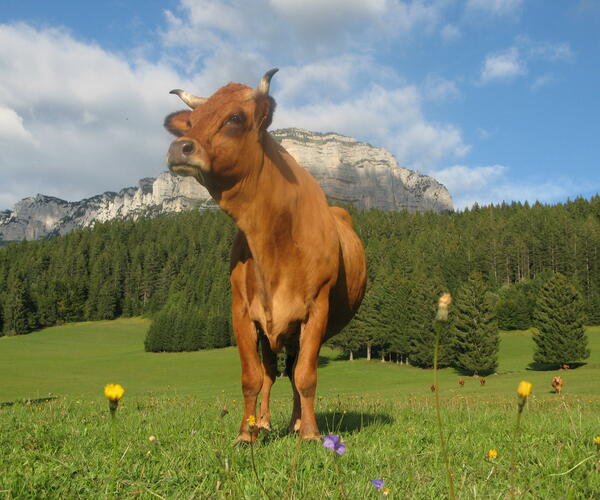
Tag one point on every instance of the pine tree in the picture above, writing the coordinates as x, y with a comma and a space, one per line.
194, 332
349, 339
514, 308
16, 309
558, 317
474, 329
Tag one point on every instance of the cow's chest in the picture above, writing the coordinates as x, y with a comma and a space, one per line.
279, 312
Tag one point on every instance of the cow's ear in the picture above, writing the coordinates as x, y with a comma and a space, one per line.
178, 123
265, 107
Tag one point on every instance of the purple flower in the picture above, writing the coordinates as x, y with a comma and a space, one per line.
333, 443
378, 483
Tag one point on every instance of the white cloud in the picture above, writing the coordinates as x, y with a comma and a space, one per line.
93, 118
503, 66
405, 17
544, 50
11, 127
387, 118
437, 88
450, 33
461, 180
542, 81
494, 7
507, 64
295, 29
493, 184
92, 121
483, 133
322, 79
317, 18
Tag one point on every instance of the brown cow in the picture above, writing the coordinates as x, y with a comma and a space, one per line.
298, 269
557, 384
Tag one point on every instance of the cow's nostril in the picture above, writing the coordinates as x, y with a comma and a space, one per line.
187, 148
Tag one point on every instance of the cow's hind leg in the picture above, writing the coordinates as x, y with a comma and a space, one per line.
290, 364
269, 364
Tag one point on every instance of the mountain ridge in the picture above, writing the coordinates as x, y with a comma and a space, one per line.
349, 171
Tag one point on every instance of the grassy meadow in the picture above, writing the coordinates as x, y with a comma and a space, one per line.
384, 412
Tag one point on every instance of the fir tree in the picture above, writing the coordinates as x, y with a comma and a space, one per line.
514, 308
474, 329
16, 312
194, 332
558, 317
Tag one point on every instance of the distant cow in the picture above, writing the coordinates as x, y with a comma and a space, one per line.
557, 384
461, 382
298, 269
433, 387
482, 380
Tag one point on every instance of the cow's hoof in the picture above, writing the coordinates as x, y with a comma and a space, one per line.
246, 437
310, 436
294, 426
310, 433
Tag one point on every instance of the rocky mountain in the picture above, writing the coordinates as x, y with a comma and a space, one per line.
348, 170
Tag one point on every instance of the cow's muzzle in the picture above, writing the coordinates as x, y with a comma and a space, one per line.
186, 157
180, 152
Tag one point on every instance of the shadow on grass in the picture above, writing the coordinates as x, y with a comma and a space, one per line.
336, 423
549, 367
28, 402
324, 360
469, 373
350, 422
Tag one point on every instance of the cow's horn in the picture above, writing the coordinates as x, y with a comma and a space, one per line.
263, 87
191, 100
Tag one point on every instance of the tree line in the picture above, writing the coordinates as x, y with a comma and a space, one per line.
174, 269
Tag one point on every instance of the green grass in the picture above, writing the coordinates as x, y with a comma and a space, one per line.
62, 449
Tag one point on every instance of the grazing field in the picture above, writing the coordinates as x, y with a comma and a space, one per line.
384, 412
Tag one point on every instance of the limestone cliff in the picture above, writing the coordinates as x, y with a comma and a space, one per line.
348, 170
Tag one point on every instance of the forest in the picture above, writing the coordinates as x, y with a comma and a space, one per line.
174, 269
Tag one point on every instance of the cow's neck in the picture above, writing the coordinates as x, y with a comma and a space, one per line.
264, 204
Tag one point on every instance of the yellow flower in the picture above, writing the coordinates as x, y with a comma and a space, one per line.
251, 420
114, 392
386, 492
597, 440
524, 390
492, 454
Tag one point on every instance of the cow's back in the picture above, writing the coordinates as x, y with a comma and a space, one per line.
349, 290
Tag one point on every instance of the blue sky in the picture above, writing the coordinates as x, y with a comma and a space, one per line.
498, 99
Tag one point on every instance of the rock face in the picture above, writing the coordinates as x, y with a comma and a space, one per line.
354, 172
348, 170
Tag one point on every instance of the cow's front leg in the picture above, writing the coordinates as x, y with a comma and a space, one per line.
252, 373
312, 333
269, 365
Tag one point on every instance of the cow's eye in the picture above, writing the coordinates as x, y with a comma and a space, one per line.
235, 119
